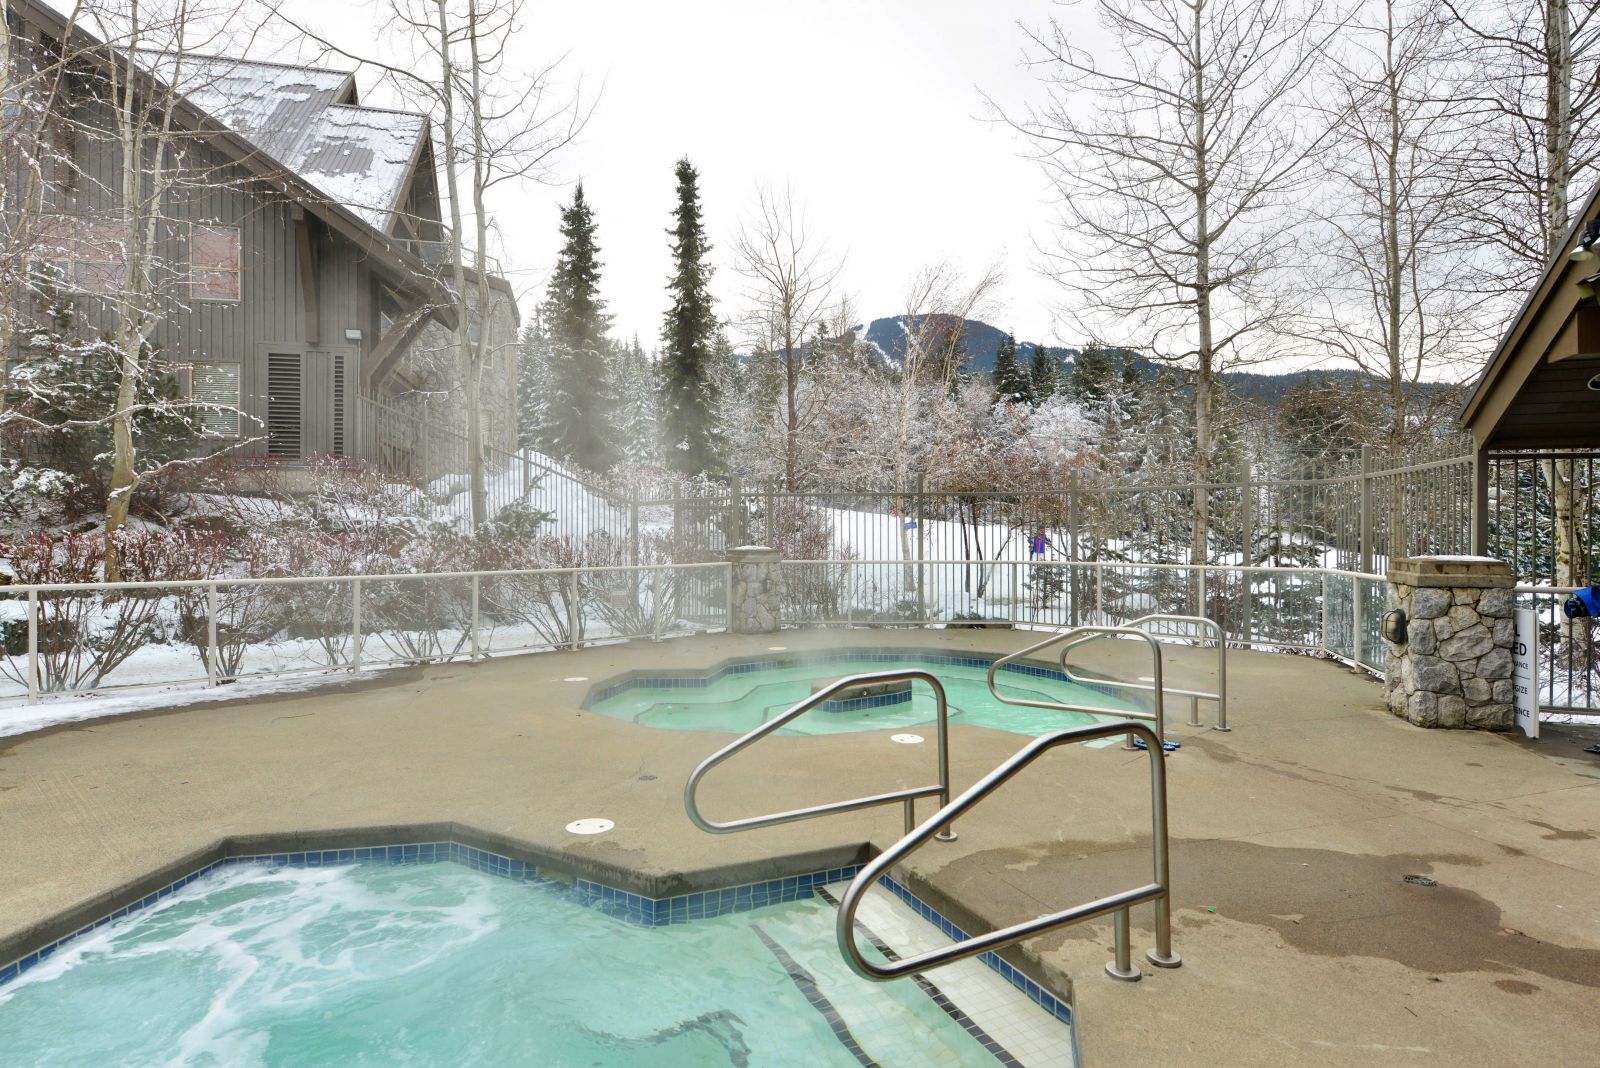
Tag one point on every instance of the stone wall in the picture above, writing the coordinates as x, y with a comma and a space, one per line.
755, 599
1454, 669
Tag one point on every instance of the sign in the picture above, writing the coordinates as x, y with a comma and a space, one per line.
1525, 672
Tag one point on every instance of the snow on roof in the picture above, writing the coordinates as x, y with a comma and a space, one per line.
359, 157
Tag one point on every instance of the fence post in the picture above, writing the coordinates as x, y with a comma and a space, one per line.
574, 611
633, 527
355, 624
1366, 510
1074, 612
849, 592
1016, 587
1100, 591
922, 526
33, 647
736, 517
475, 638
211, 634
1247, 518
1479, 545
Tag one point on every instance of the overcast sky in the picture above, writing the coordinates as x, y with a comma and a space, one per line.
872, 111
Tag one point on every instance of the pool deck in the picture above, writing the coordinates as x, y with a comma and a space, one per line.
1290, 836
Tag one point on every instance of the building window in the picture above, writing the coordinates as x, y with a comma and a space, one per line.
88, 254
214, 262
216, 384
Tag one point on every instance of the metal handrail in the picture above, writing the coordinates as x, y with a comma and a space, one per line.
1194, 696
908, 796
1158, 716
1158, 890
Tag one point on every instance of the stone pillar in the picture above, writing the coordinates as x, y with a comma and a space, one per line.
754, 597
1454, 669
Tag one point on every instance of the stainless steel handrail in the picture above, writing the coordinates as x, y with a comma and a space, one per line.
908, 796
1158, 890
1079, 633
1194, 696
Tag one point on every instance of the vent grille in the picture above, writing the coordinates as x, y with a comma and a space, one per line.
217, 383
338, 404
283, 405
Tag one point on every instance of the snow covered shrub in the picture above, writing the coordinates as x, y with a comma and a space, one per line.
85, 635
245, 615
423, 619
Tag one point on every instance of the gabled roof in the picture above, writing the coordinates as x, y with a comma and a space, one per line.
305, 118
1534, 392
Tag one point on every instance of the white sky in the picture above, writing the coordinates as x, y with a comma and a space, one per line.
872, 112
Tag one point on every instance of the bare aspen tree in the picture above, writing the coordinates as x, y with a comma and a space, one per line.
1395, 301
791, 277
1531, 69
500, 121
1173, 153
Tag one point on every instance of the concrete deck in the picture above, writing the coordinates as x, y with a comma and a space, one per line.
1291, 835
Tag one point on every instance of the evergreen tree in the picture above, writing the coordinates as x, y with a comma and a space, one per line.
635, 375
687, 386
63, 392
582, 397
1092, 371
1042, 375
533, 387
1011, 382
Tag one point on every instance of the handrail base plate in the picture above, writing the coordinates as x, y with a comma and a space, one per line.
1172, 961
1132, 975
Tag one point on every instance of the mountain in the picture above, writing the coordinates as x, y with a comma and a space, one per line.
980, 340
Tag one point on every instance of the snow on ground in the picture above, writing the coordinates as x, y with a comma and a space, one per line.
53, 712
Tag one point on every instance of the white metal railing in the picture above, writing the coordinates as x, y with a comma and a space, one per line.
85, 638
1323, 610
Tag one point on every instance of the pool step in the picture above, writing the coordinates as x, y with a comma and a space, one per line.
1015, 1029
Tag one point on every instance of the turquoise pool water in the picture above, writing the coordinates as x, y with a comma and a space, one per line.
739, 702
437, 964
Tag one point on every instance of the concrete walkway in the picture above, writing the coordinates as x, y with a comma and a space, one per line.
1291, 836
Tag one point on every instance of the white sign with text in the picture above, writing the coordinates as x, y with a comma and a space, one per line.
1525, 672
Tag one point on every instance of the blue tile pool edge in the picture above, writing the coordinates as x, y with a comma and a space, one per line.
621, 904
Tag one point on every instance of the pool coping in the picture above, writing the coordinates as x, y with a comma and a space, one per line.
435, 843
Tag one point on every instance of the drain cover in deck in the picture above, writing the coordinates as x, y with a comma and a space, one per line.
592, 825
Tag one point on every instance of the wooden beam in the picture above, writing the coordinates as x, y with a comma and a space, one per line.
389, 348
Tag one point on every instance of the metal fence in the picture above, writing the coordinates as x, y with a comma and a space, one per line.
1320, 610
1568, 665
78, 639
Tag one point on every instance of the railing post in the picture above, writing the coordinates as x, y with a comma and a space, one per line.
355, 624
1100, 590
211, 634
1325, 605
1016, 587
1122, 967
574, 612
1355, 623
476, 641
33, 647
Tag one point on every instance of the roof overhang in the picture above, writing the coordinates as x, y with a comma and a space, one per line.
1541, 388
